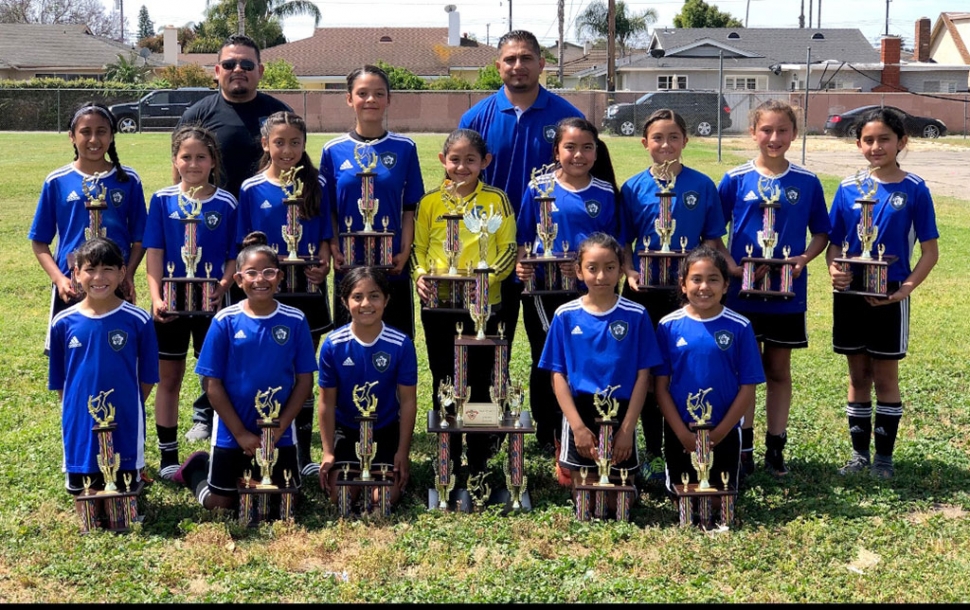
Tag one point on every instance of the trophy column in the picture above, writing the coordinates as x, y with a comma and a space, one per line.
875, 271
777, 282
196, 292
255, 497
365, 482
661, 269
95, 204
368, 247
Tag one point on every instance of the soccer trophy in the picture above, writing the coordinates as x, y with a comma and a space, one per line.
366, 449
543, 181
120, 507
367, 247
597, 495
294, 282
196, 292
254, 498
777, 282
699, 498
875, 271
94, 203
660, 269
449, 290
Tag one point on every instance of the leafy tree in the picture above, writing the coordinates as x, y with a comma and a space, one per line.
222, 20
85, 12
255, 13
146, 27
699, 14
127, 70
402, 79
279, 75
488, 79
594, 22
449, 83
186, 75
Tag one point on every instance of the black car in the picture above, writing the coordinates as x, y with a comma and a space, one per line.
160, 109
699, 109
844, 125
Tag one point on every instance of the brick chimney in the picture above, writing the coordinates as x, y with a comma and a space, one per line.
922, 42
889, 55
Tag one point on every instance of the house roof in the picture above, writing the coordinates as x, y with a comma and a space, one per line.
31, 46
206, 60
946, 20
337, 51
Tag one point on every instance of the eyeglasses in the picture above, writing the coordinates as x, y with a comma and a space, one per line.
268, 274
247, 65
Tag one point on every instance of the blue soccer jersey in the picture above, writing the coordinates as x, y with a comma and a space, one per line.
518, 143
261, 208
802, 211
61, 213
251, 354
576, 214
903, 213
115, 352
708, 360
347, 363
597, 350
398, 186
215, 232
695, 207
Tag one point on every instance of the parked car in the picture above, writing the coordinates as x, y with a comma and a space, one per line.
843, 125
159, 109
699, 109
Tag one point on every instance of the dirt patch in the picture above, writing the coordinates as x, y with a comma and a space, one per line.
943, 166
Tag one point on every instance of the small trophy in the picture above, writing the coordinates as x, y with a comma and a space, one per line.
478, 490
195, 296
875, 271
778, 281
367, 247
661, 269
543, 181
255, 498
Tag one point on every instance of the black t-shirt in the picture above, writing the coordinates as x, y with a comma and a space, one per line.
236, 127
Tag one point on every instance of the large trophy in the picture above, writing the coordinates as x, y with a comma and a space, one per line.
778, 280
661, 269
254, 497
503, 415
875, 271
376, 247
544, 182
196, 292
295, 282
449, 290
366, 449
593, 499
120, 507
695, 502
95, 204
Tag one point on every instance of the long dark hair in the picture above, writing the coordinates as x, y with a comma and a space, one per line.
100, 109
312, 193
603, 166
699, 253
207, 138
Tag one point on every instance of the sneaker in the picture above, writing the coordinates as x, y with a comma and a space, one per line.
563, 476
167, 471
198, 432
775, 463
194, 460
311, 470
747, 463
654, 469
858, 463
146, 479
882, 470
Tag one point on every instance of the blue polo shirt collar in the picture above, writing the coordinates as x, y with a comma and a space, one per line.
506, 106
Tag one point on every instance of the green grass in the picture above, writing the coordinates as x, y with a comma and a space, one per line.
811, 537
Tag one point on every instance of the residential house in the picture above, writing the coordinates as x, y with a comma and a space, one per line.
946, 43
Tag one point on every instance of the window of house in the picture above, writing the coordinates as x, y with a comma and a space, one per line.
671, 81
749, 83
939, 86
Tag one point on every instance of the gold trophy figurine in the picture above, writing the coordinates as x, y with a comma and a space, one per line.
605, 404
478, 490
703, 458
770, 193
665, 225
867, 231
366, 403
94, 193
446, 398
266, 463
100, 409
266, 406
191, 208
366, 159
482, 225
450, 198
291, 185
293, 229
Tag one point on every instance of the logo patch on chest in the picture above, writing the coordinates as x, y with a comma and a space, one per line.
117, 339
898, 200
619, 329
593, 208
389, 160
792, 194
212, 220
281, 334
724, 339
381, 361
117, 196
690, 199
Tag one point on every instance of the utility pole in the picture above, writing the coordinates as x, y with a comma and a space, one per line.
562, 20
801, 16
121, 10
809, 14
818, 20
611, 52
747, 9
241, 17
887, 16
487, 39
510, 15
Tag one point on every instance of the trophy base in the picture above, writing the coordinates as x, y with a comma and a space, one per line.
196, 284
460, 500
655, 262
696, 506
364, 504
120, 509
294, 282
255, 500
551, 264
505, 426
874, 277
374, 244
592, 501
777, 273
455, 302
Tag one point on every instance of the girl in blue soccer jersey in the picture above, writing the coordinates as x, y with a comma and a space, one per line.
367, 357
778, 324
587, 334
61, 211
585, 202
261, 208
873, 333
253, 346
398, 187
696, 209
195, 158
710, 356
102, 348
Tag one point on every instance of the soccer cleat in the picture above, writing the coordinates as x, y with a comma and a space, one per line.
311, 470
198, 432
563, 476
882, 470
747, 463
858, 463
194, 460
775, 463
167, 471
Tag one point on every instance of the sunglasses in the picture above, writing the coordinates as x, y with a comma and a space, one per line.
247, 65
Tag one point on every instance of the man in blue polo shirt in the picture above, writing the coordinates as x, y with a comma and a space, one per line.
518, 123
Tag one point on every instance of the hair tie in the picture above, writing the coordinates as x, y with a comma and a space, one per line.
87, 109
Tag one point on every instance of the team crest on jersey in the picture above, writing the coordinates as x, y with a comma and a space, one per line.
389, 160
593, 208
281, 334
117, 196
549, 133
117, 339
793, 194
619, 329
381, 361
898, 200
724, 339
212, 220
690, 199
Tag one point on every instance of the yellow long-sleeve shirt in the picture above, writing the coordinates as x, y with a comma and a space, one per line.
430, 231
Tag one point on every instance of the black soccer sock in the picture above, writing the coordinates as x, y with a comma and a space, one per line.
747, 440
860, 426
168, 446
887, 425
653, 426
304, 432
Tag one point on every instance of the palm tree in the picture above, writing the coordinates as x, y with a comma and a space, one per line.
262, 10
594, 22
127, 70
